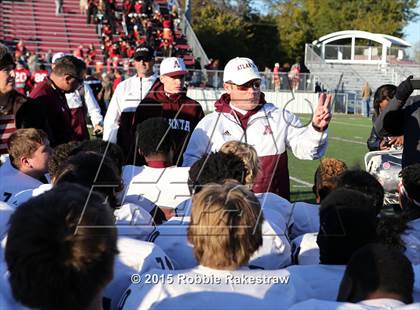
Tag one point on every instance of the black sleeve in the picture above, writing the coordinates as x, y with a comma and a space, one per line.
32, 115
390, 121
373, 141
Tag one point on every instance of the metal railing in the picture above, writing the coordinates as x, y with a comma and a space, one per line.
193, 41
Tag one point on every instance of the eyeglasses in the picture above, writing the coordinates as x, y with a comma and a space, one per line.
254, 84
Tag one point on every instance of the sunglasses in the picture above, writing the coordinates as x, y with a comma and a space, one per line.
145, 59
254, 84
79, 80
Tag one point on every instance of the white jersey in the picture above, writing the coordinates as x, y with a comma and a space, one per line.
324, 280
135, 257
274, 253
13, 181
126, 98
372, 304
305, 219
132, 220
305, 250
74, 101
207, 288
411, 239
5, 212
25, 195
165, 187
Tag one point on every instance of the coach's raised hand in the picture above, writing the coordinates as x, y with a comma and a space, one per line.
322, 115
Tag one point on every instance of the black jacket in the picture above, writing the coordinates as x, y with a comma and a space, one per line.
402, 118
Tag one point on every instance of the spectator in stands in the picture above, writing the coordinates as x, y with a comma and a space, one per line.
347, 222
378, 276
27, 163
20, 50
83, 7
105, 93
16, 110
58, 7
91, 11
244, 104
167, 98
49, 232
381, 100
66, 76
39, 75
33, 61
402, 117
23, 78
366, 94
127, 96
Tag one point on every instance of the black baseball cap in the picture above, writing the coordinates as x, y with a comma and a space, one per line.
144, 53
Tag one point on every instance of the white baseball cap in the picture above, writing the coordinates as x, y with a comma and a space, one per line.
240, 70
173, 66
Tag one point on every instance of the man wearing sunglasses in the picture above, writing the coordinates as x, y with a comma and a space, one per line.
67, 75
127, 96
242, 114
168, 99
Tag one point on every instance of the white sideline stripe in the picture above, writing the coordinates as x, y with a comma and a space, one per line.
300, 181
347, 140
350, 124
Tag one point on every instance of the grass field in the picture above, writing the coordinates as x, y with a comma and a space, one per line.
347, 142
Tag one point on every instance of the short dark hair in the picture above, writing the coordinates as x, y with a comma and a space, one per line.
93, 171
69, 65
60, 154
111, 150
55, 262
347, 222
365, 183
215, 168
377, 268
386, 91
154, 136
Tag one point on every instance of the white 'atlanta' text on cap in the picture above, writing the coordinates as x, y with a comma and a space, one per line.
240, 70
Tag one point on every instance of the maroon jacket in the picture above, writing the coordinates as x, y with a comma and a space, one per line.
56, 111
182, 112
274, 173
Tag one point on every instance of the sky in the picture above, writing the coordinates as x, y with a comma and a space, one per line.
412, 30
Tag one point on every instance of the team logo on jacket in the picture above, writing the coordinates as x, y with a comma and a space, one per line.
227, 133
267, 130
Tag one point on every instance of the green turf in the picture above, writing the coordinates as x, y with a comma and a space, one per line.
348, 127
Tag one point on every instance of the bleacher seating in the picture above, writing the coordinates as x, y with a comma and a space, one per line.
35, 22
